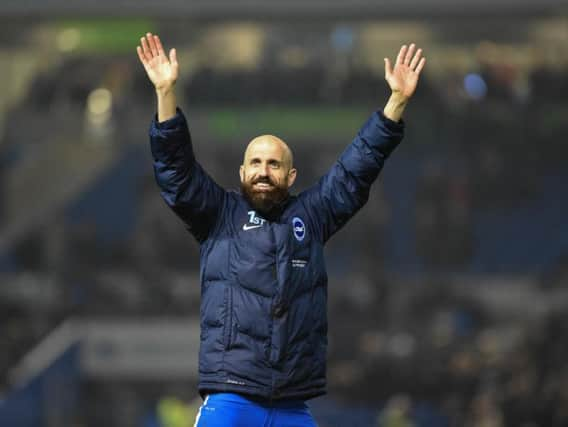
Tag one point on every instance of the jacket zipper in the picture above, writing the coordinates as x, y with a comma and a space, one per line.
273, 360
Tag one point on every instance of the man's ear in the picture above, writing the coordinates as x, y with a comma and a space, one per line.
242, 173
291, 177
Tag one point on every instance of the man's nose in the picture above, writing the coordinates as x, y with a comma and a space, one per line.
264, 170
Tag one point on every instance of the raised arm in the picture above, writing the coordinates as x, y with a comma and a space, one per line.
185, 186
402, 79
341, 192
162, 72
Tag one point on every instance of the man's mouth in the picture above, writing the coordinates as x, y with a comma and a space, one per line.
262, 186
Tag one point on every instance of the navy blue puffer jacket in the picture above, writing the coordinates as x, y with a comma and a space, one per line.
263, 280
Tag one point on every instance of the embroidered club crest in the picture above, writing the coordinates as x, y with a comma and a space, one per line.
299, 228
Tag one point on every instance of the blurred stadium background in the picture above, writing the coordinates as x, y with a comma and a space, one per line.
448, 292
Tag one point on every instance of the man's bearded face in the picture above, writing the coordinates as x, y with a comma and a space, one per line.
263, 193
266, 173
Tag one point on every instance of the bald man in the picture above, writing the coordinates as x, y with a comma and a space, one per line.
267, 172
263, 280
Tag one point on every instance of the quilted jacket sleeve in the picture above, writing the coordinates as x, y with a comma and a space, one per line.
187, 189
341, 192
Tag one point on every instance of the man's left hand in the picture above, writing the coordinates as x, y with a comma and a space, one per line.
403, 77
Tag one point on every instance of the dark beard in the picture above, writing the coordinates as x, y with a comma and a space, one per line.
263, 201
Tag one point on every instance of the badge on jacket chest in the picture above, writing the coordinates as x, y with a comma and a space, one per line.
299, 228
254, 221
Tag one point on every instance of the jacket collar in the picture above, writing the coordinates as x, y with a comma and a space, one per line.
276, 211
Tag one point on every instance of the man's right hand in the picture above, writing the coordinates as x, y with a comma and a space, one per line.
162, 71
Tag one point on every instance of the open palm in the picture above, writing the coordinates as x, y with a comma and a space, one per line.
403, 77
162, 71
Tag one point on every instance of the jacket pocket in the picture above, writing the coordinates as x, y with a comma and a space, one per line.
228, 324
214, 301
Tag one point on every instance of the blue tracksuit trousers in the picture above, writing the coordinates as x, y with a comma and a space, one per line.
233, 410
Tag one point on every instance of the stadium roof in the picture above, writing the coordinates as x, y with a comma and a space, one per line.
281, 9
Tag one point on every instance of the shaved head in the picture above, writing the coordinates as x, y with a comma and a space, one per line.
267, 172
270, 141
